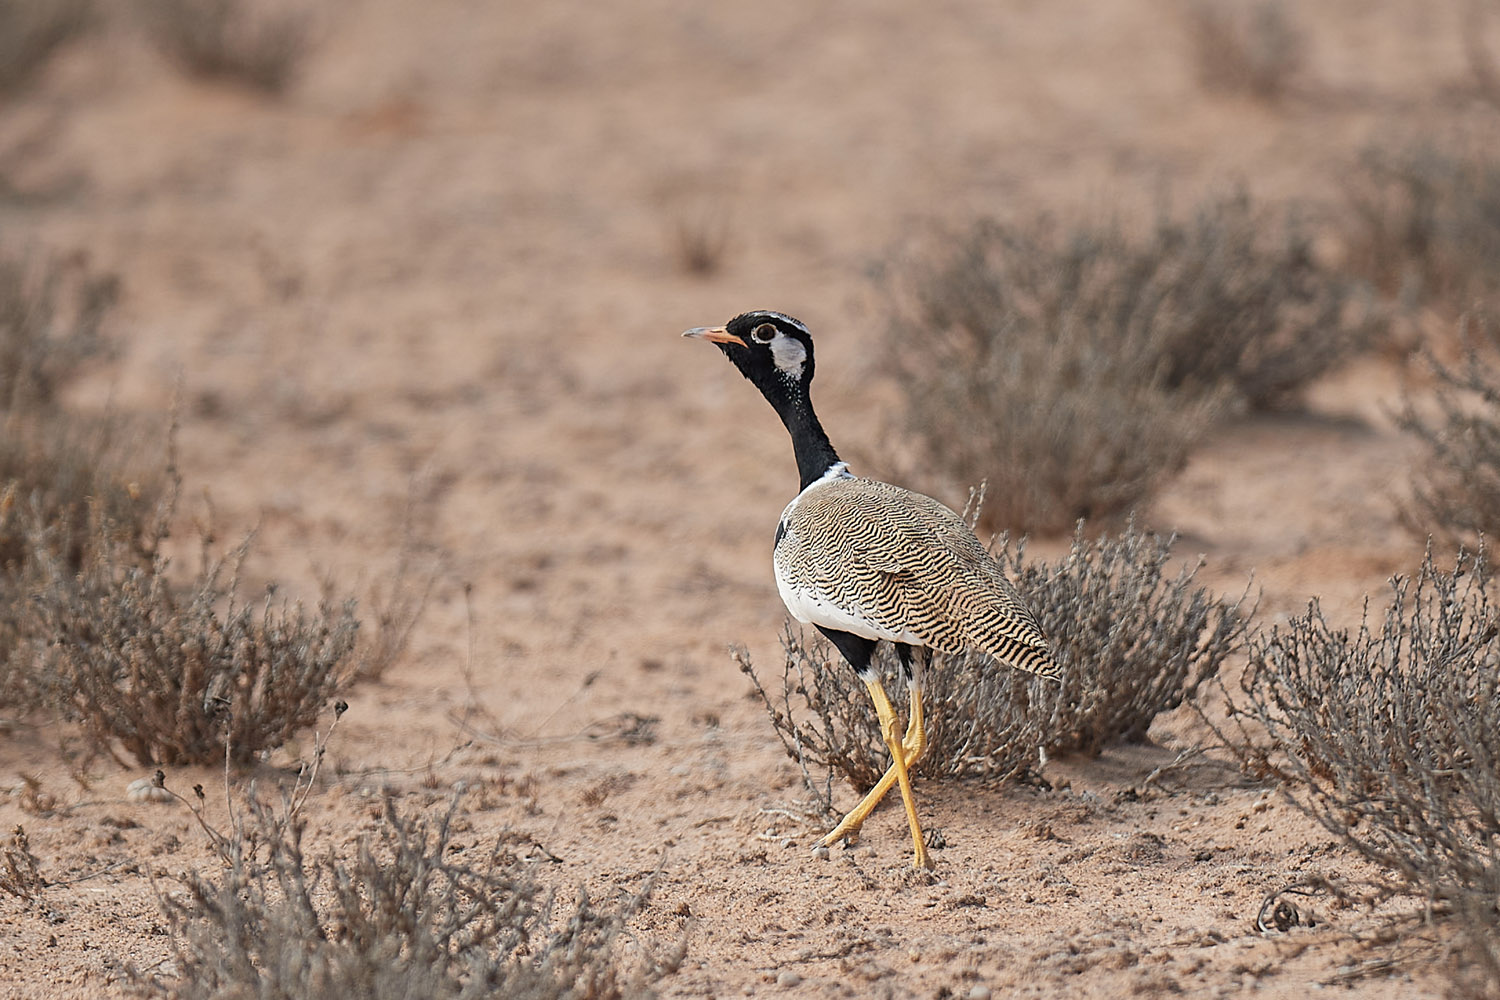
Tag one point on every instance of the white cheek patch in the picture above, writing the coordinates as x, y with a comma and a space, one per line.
789, 355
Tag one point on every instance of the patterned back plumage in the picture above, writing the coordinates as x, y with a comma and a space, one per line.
904, 563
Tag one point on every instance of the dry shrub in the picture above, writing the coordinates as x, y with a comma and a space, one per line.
1076, 369
1427, 221
982, 720
1457, 491
1245, 48
55, 466
256, 43
1486, 77
51, 315
396, 604
21, 688
1133, 640
58, 467
408, 918
701, 242
1389, 736
182, 677
50, 318
91, 625
395, 610
1478, 960
30, 31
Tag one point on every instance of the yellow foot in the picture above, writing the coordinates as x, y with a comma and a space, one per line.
848, 832
897, 747
914, 745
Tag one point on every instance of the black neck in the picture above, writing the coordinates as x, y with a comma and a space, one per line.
809, 443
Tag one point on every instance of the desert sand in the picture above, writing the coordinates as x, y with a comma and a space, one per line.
443, 275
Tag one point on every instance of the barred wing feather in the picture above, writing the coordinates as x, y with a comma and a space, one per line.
889, 563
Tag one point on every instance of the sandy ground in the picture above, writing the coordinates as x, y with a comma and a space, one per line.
446, 267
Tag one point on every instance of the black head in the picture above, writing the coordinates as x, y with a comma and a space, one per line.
775, 352
770, 349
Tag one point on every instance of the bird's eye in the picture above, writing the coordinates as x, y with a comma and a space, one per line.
765, 333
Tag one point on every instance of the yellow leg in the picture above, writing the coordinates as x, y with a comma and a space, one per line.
915, 746
887, 716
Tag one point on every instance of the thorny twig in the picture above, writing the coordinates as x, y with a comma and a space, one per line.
1182, 758
790, 736
447, 758
307, 775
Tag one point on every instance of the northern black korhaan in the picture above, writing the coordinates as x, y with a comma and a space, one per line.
863, 560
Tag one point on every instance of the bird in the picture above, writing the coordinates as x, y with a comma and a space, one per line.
865, 561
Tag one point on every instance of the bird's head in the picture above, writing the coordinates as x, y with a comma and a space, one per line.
772, 350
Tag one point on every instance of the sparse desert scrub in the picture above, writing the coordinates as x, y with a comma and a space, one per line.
1133, 640
30, 31
50, 320
397, 602
701, 240
1074, 369
1478, 972
405, 918
20, 687
1486, 76
260, 44
50, 325
1245, 48
92, 625
1427, 221
982, 720
1456, 490
1389, 734
56, 466
180, 676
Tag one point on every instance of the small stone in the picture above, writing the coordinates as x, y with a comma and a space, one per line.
146, 790
979, 992
820, 852
788, 978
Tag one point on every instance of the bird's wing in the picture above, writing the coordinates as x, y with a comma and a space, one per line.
909, 565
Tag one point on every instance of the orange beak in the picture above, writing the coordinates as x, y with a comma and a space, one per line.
714, 335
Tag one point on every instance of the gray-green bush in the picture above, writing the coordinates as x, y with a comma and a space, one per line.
1456, 488
1133, 639
92, 625
407, 918
1427, 221
182, 676
57, 468
30, 31
1074, 369
259, 45
1389, 734
1253, 49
